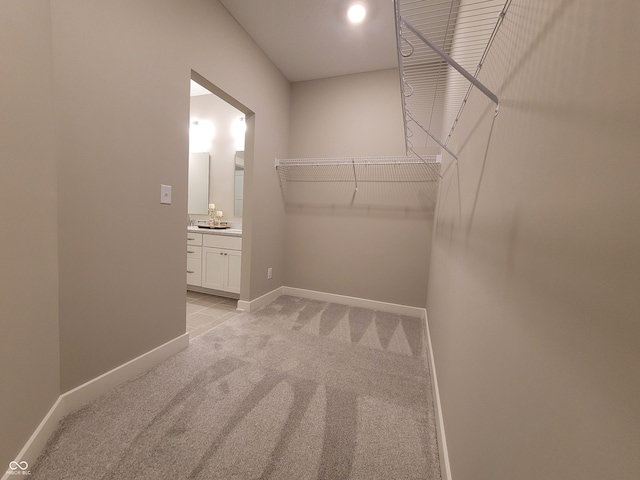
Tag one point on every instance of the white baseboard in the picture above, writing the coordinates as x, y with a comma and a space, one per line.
87, 392
253, 305
91, 390
445, 467
269, 297
36, 443
355, 301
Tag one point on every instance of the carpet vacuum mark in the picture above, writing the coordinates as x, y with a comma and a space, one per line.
300, 389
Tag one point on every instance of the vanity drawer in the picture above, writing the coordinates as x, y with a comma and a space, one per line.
194, 238
222, 241
194, 252
194, 271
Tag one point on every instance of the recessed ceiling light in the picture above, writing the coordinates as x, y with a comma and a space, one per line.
356, 13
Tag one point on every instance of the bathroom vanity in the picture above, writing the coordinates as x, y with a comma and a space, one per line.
213, 261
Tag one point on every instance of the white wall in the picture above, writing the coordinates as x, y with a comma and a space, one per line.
533, 291
373, 244
29, 366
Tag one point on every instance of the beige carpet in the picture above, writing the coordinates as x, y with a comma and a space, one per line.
300, 389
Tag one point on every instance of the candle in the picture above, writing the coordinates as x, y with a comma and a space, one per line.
212, 206
219, 214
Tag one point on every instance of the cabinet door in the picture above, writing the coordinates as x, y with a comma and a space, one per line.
213, 268
233, 271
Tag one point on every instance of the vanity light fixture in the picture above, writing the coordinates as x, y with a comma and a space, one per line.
356, 13
201, 132
238, 130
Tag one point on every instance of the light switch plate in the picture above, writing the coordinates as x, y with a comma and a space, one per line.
165, 194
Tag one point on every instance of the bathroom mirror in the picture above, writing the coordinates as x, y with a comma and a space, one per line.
238, 184
216, 128
198, 188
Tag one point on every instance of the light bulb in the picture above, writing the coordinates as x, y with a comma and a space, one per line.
200, 135
356, 13
238, 130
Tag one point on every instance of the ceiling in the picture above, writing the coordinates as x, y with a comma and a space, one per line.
311, 39
197, 90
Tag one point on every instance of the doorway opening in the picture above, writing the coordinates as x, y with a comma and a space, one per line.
220, 148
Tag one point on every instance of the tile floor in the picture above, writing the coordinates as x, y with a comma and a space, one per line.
207, 311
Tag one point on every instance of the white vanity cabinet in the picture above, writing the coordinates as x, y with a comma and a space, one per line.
213, 262
221, 258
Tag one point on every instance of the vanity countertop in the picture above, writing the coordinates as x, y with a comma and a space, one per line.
229, 232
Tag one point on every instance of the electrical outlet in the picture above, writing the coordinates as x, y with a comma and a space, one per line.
269, 273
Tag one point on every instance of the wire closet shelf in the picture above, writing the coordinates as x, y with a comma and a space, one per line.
359, 170
441, 47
